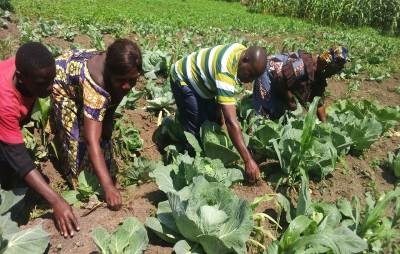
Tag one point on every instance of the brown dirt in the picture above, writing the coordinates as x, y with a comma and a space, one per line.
57, 41
147, 124
9, 38
366, 173
382, 92
356, 179
369, 90
139, 202
83, 40
54, 177
11, 30
250, 192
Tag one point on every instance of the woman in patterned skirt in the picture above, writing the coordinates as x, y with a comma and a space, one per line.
297, 74
88, 87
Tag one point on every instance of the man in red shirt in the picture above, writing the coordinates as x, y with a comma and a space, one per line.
23, 78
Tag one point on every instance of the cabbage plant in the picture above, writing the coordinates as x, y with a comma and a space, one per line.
179, 174
394, 163
316, 227
299, 150
32, 240
129, 237
208, 217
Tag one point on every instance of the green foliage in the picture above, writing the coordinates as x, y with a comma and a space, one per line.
88, 187
194, 217
363, 122
179, 174
263, 133
394, 163
12, 240
138, 171
39, 124
377, 227
353, 85
160, 98
217, 144
156, 62
261, 230
5, 18
210, 215
245, 111
170, 132
126, 140
206, 23
214, 141
6, 48
384, 15
317, 227
129, 237
40, 112
37, 151
299, 150
6, 5
300, 143
129, 101
183, 247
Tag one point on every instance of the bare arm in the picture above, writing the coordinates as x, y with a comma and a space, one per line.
108, 123
63, 214
235, 133
321, 113
93, 133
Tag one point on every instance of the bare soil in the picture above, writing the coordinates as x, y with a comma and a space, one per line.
355, 177
140, 202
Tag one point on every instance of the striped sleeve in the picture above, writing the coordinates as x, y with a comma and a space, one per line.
225, 83
225, 78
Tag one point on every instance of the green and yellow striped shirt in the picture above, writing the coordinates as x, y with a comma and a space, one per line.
211, 72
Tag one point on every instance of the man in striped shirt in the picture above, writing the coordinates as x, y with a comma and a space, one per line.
204, 82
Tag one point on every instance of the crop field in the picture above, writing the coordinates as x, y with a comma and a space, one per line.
326, 187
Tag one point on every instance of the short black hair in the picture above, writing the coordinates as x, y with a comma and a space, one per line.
33, 56
122, 56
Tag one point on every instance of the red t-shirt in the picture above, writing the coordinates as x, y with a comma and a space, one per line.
14, 107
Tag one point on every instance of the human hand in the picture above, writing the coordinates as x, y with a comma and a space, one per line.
252, 171
113, 197
65, 218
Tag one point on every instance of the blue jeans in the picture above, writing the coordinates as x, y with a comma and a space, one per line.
193, 110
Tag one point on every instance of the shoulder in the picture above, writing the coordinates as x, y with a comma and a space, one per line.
8, 94
8, 63
237, 45
76, 55
7, 69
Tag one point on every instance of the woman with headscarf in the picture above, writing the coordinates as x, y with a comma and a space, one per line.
88, 87
298, 74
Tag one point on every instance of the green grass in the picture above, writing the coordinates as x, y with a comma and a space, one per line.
183, 26
383, 14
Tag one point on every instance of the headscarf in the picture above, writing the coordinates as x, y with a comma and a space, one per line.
337, 55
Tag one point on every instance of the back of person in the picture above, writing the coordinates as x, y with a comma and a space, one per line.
14, 107
269, 89
210, 72
299, 74
75, 96
69, 82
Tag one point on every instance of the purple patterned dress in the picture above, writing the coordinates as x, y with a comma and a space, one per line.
75, 96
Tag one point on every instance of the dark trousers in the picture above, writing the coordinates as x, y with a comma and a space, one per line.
193, 110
